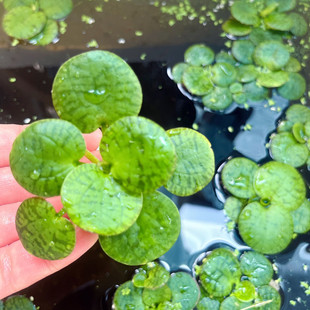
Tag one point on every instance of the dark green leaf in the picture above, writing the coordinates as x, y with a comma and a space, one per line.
281, 184
96, 202
195, 162
267, 293
301, 218
197, 80
238, 175
218, 100
225, 57
94, 89
207, 303
294, 88
298, 113
42, 232
219, 272
141, 154
283, 5
245, 12
44, 153
272, 55
48, 34
299, 24
235, 28
243, 50
223, 74
268, 230
23, 22
199, 55
259, 35
153, 234
257, 267
56, 9
286, 149
184, 289
19, 302
255, 92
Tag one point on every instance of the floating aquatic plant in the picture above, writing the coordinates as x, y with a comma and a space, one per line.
17, 302
115, 197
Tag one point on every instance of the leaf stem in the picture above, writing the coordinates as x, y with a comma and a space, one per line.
91, 157
263, 303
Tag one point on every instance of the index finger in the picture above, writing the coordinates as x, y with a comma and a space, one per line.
9, 132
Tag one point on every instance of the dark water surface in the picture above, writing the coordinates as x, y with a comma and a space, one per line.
90, 282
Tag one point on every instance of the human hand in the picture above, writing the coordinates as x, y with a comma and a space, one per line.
18, 268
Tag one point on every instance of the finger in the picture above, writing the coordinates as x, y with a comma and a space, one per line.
7, 220
8, 134
19, 269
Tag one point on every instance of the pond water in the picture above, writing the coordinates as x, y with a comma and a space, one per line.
89, 283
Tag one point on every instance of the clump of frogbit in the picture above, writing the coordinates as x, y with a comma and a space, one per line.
257, 62
115, 197
153, 287
268, 203
35, 21
228, 282
17, 302
291, 143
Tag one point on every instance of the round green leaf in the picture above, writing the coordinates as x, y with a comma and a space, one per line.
95, 202
48, 34
195, 162
283, 5
167, 305
272, 79
225, 57
246, 73
56, 9
235, 88
151, 275
294, 88
278, 21
177, 71
256, 267
232, 303
255, 92
281, 184
298, 113
19, 302
218, 100
94, 89
207, 303
243, 50
199, 55
153, 234
299, 24
301, 218
153, 297
42, 232
266, 293
299, 133
235, 28
240, 98
11, 4
272, 55
245, 291
223, 74
285, 126
268, 230
127, 296
307, 130
286, 149
184, 290
141, 154
219, 272
197, 80
238, 176
233, 207
44, 153
245, 12
23, 22
259, 35
293, 65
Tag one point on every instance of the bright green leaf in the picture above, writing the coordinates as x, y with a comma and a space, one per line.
299, 24
223, 74
298, 113
153, 234
177, 71
245, 12
94, 89
48, 34
293, 65
246, 73
278, 21
225, 57
44, 153
283, 5
272, 79
244, 291
42, 232
267, 293
56, 9
259, 35
301, 218
207, 303
153, 297
235, 28
232, 303
243, 50
11, 4
195, 162
218, 100
96, 202
199, 55
233, 207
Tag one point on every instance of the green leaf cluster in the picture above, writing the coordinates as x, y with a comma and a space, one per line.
291, 143
115, 197
231, 283
152, 287
17, 302
35, 21
268, 203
